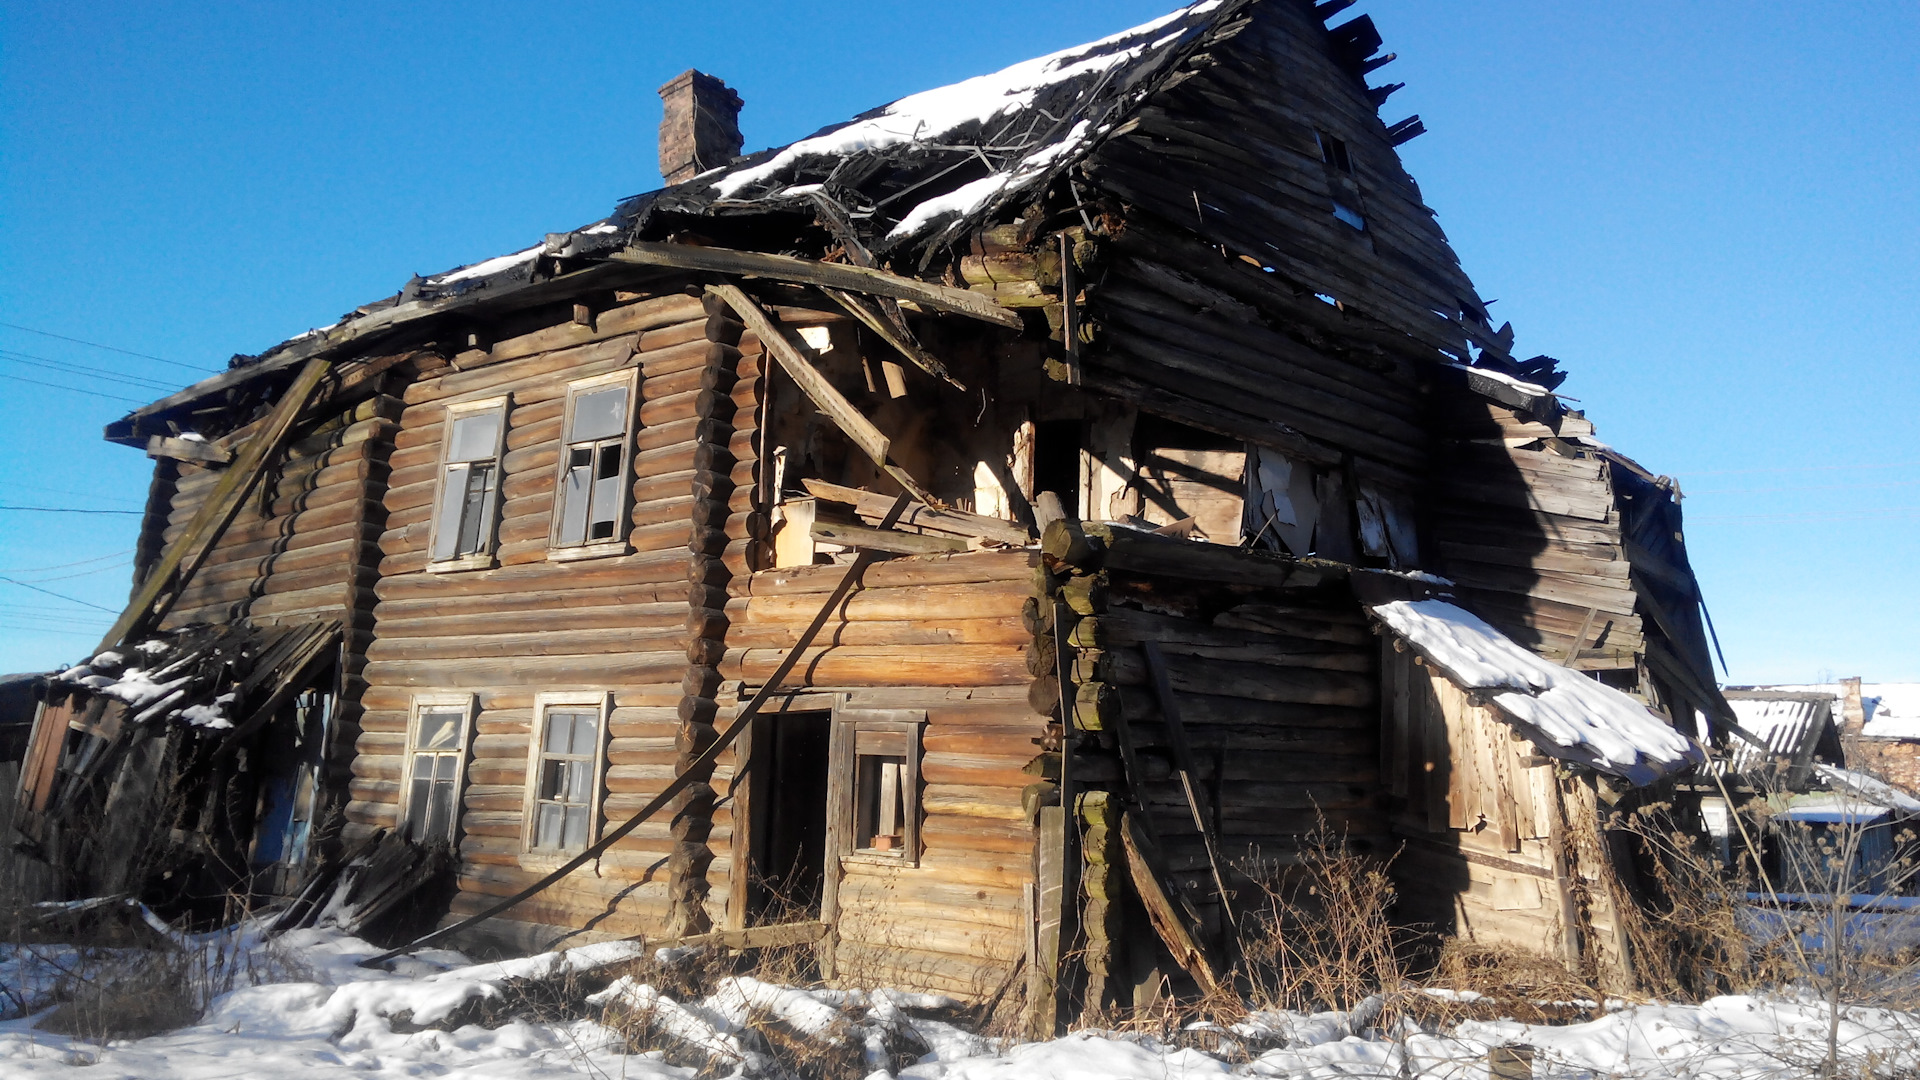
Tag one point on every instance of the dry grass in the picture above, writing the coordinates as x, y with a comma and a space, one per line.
1319, 936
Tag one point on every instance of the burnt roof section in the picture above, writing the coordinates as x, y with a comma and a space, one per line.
911, 176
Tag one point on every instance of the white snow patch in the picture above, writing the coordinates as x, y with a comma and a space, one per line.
1574, 716
1866, 787
489, 266
931, 115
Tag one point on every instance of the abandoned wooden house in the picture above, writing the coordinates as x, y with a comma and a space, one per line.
973, 536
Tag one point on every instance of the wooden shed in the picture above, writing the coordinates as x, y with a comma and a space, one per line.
965, 531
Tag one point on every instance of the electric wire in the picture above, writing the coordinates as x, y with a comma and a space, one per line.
67, 510
32, 360
74, 389
109, 348
62, 596
68, 565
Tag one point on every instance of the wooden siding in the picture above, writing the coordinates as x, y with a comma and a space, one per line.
943, 634
617, 624
1526, 524
1499, 844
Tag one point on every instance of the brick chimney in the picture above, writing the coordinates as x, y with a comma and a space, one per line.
701, 126
1853, 711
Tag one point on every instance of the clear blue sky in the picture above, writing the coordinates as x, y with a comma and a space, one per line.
1707, 210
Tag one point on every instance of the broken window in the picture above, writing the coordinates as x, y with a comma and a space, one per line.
1341, 179
469, 485
564, 778
435, 767
591, 500
876, 783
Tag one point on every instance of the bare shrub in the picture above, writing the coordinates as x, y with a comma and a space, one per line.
1319, 935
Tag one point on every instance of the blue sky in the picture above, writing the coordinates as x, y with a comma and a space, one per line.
1709, 211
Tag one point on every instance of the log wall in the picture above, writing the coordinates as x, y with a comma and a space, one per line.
1526, 524
529, 625
943, 634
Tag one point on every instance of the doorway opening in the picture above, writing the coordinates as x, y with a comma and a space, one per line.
787, 808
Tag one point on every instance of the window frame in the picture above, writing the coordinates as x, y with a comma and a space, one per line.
843, 784
601, 700
486, 556
559, 550
469, 706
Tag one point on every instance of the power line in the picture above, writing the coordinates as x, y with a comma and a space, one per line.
62, 596
7, 483
83, 573
109, 348
67, 510
70, 565
74, 389
31, 360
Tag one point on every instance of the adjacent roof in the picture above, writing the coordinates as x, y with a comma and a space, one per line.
1791, 724
1891, 710
1568, 715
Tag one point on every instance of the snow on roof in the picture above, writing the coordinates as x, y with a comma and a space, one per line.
1782, 723
1018, 125
1892, 710
1567, 714
1866, 787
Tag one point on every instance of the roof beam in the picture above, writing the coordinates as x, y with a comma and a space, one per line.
858, 279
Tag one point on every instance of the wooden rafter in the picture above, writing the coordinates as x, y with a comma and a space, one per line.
177, 566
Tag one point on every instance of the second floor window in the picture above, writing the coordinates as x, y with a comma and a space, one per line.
590, 504
469, 483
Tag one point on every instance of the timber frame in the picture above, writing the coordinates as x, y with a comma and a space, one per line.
1082, 499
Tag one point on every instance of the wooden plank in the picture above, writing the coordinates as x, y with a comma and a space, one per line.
857, 279
1183, 764
691, 772
752, 937
872, 504
1166, 920
902, 343
176, 567
859, 536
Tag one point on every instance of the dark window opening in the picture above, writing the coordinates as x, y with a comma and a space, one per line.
788, 808
1056, 461
1334, 152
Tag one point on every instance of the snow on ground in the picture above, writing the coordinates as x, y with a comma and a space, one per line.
331, 1018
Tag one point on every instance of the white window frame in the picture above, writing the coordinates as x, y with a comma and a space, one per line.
843, 783
601, 700
485, 556
468, 705
559, 550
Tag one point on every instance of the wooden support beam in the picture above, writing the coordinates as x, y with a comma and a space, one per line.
753, 937
903, 343
871, 504
1189, 778
1142, 864
859, 536
858, 279
794, 356
198, 451
176, 567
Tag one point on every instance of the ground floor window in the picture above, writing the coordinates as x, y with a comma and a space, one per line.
564, 768
437, 742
